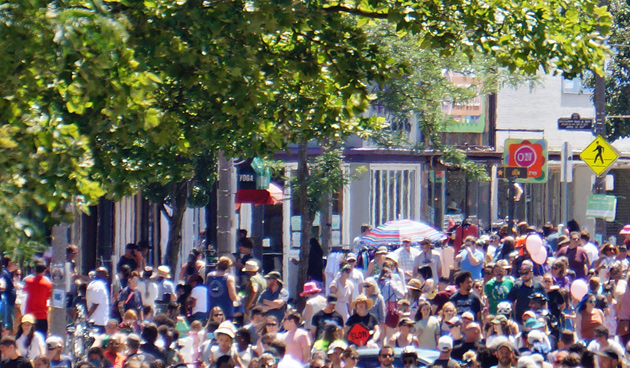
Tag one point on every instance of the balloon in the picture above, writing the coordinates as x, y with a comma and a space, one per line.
579, 288
533, 244
541, 256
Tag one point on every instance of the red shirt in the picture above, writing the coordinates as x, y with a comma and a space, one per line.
38, 290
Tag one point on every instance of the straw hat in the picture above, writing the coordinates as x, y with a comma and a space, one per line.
164, 271
362, 298
250, 266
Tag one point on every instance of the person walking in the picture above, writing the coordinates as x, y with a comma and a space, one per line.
97, 299
38, 289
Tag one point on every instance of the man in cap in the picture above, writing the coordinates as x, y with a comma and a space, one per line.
525, 286
409, 357
445, 347
428, 257
274, 298
328, 314
406, 256
356, 276
497, 289
54, 346
455, 330
255, 285
334, 353
505, 353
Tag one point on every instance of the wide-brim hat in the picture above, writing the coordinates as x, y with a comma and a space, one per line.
503, 264
225, 331
414, 284
250, 266
362, 298
381, 250
164, 271
275, 275
310, 288
562, 240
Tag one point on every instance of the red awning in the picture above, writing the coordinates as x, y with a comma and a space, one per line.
273, 195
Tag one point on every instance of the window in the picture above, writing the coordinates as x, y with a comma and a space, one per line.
394, 194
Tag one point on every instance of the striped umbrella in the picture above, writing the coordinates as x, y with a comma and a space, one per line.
392, 232
625, 230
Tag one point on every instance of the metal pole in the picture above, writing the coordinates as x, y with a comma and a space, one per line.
600, 116
565, 183
511, 204
225, 206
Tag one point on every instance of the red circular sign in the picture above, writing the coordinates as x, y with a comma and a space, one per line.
525, 156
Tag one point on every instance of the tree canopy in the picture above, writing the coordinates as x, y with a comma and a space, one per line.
102, 97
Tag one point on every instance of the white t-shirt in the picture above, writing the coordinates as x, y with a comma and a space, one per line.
37, 347
148, 296
200, 294
97, 294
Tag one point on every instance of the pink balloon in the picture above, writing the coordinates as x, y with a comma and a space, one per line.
533, 244
579, 288
540, 257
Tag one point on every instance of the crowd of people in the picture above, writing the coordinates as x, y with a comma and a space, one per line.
498, 304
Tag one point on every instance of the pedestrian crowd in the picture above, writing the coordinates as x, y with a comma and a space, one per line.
527, 299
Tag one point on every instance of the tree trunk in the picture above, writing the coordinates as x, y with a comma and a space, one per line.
179, 204
326, 221
306, 223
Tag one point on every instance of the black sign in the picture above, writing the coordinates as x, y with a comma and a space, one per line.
575, 122
507, 172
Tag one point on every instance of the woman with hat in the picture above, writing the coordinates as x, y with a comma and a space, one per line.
404, 336
372, 291
499, 329
30, 343
224, 336
361, 305
315, 303
376, 265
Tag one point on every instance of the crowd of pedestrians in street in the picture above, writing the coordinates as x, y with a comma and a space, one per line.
528, 298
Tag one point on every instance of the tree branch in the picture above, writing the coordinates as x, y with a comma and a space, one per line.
344, 9
164, 211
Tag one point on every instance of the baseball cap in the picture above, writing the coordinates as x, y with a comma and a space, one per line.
445, 343
337, 344
351, 256
454, 321
468, 315
332, 298
54, 342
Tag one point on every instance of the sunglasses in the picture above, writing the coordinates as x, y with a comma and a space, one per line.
590, 301
524, 272
272, 324
218, 315
386, 355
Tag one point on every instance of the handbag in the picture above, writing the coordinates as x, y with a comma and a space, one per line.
391, 317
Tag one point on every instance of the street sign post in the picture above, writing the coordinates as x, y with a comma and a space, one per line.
575, 122
599, 155
507, 172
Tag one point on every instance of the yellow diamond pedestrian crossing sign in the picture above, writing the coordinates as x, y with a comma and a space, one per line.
599, 155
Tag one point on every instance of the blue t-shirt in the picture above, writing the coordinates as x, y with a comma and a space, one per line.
475, 270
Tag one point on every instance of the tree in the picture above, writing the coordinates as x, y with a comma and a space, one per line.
105, 97
618, 69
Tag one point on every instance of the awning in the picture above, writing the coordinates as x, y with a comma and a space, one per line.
272, 195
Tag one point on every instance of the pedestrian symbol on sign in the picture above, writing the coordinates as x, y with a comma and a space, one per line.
599, 149
599, 155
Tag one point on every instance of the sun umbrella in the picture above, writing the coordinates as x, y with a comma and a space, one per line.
393, 232
625, 230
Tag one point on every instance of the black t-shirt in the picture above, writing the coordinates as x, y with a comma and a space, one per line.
319, 321
19, 362
446, 363
369, 321
466, 303
126, 261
